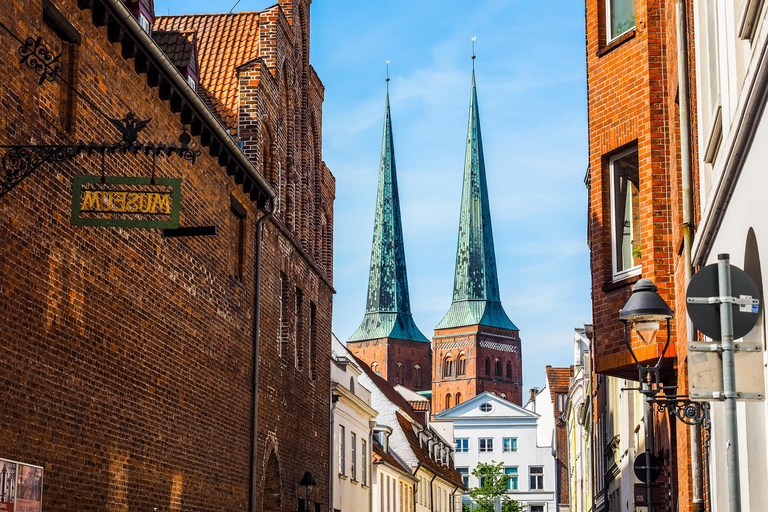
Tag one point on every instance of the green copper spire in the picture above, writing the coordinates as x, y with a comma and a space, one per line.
476, 284
388, 308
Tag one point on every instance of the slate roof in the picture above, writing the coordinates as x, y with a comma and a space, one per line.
559, 379
388, 307
178, 46
224, 42
476, 284
449, 472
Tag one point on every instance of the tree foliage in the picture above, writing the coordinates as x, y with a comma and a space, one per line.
494, 483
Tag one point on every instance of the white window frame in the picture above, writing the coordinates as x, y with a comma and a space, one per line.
364, 462
512, 444
637, 269
353, 456
539, 478
609, 37
192, 82
488, 442
515, 475
464, 472
462, 449
342, 450
144, 23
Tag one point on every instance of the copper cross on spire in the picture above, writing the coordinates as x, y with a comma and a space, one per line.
473, 53
387, 74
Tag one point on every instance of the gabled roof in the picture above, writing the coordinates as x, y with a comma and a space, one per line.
476, 298
178, 46
559, 379
380, 456
386, 388
448, 473
502, 409
225, 41
388, 306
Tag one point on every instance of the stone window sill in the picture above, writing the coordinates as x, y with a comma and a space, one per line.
343, 476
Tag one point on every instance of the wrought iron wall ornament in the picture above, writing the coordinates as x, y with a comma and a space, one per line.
37, 56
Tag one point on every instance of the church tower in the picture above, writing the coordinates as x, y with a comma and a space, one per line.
388, 339
476, 345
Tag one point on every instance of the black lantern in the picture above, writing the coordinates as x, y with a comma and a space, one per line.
308, 482
644, 312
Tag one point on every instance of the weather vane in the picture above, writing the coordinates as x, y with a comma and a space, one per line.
473, 53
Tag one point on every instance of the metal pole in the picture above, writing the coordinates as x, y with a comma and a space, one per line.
647, 419
729, 383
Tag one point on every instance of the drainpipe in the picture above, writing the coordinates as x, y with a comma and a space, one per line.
334, 400
256, 327
685, 162
432, 494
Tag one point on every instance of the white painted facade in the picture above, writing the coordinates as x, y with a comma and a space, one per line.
578, 418
731, 42
352, 426
528, 438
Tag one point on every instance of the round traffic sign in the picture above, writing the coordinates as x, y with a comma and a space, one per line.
641, 464
706, 317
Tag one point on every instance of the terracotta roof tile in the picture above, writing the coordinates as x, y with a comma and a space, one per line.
559, 379
379, 455
386, 388
178, 46
224, 42
449, 472
419, 405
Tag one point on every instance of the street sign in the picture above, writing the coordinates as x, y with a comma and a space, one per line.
705, 313
657, 495
646, 461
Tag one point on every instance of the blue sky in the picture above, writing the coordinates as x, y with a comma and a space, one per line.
531, 84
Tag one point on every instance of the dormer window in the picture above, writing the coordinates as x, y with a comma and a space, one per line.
192, 83
144, 23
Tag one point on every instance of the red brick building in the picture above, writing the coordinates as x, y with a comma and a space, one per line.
558, 382
131, 361
637, 224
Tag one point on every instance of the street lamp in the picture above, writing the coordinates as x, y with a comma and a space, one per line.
645, 311
308, 482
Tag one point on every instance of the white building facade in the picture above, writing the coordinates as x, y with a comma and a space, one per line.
487, 428
731, 48
352, 436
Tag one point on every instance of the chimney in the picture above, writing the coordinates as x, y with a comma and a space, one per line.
533, 393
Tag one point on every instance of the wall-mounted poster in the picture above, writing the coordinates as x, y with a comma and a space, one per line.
7, 485
29, 492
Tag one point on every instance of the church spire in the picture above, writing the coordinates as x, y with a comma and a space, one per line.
388, 308
476, 298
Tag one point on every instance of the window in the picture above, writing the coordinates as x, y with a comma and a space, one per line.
400, 489
237, 220
144, 23
375, 368
497, 367
711, 123
464, 472
394, 496
509, 369
509, 444
458, 398
486, 407
625, 212
461, 365
417, 376
512, 474
282, 335
297, 326
389, 496
462, 445
537, 477
353, 458
311, 347
342, 450
448, 401
364, 462
381, 484
68, 39
537, 508
486, 444
487, 365
621, 17
448, 366
192, 83
399, 373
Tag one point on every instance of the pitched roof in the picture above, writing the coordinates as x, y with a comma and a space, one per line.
386, 388
224, 42
388, 307
476, 283
379, 455
559, 379
419, 405
178, 46
449, 472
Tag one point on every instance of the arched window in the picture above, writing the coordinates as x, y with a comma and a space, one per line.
509, 369
497, 365
458, 398
448, 366
399, 373
504, 396
461, 365
448, 401
375, 368
417, 375
487, 365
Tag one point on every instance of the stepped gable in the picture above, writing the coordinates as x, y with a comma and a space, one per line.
224, 42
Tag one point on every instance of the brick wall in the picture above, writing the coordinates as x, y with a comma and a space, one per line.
397, 360
126, 356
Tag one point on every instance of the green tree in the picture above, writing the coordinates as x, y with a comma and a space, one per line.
493, 484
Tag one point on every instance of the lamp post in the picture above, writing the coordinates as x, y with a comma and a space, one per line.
644, 312
308, 482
